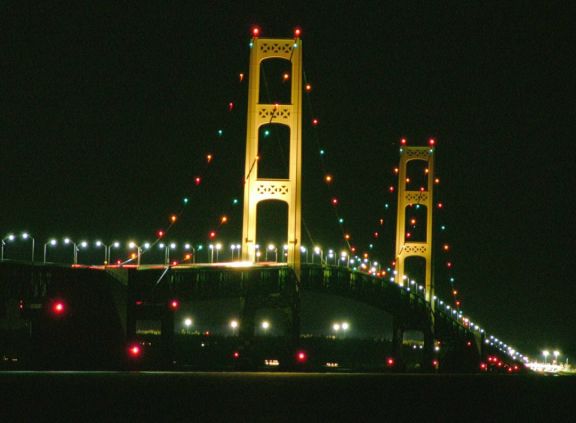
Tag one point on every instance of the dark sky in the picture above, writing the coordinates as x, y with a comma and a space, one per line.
107, 111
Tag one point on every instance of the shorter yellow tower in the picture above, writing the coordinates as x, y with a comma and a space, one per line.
404, 248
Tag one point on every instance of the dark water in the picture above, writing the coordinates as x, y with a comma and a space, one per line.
283, 397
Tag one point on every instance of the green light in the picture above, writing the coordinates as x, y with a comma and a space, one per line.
266, 132
235, 201
220, 132
443, 227
371, 246
340, 220
322, 152
185, 200
386, 205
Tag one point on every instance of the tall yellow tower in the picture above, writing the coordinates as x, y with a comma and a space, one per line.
263, 189
404, 248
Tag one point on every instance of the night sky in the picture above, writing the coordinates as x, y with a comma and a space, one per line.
107, 112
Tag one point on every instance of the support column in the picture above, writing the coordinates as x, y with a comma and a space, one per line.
425, 197
262, 189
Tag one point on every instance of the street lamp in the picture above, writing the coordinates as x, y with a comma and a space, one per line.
26, 235
52, 243
133, 245
75, 256
330, 255
265, 325
10, 237
234, 325
556, 354
235, 247
305, 251
344, 258
218, 248
107, 249
211, 247
318, 251
188, 247
545, 353
272, 247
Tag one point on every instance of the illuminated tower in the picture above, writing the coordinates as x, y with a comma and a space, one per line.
423, 197
262, 189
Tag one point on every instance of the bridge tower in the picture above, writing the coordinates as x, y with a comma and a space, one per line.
423, 197
262, 189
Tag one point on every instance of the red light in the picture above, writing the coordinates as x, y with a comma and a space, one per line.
197, 180
58, 308
255, 31
469, 343
390, 362
174, 304
160, 234
431, 141
301, 356
403, 141
134, 350
315, 122
297, 32
230, 106
334, 201
435, 363
483, 366
440, 205
139, 302
212, 235
236, 354
308, 88
391, 189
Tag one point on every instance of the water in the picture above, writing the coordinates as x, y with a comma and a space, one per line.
282, 397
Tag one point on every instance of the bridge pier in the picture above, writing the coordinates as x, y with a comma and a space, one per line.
399, 327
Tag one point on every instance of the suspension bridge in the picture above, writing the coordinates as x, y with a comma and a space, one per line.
105, 301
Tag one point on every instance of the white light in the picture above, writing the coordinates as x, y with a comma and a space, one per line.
345, 326
116, 244
84, 244
336, 327
234, 324
188, 322
25, 235
271, 247
98, 243
187, 246
53, 242
131, 244
173, 245
146, 245
265, 324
